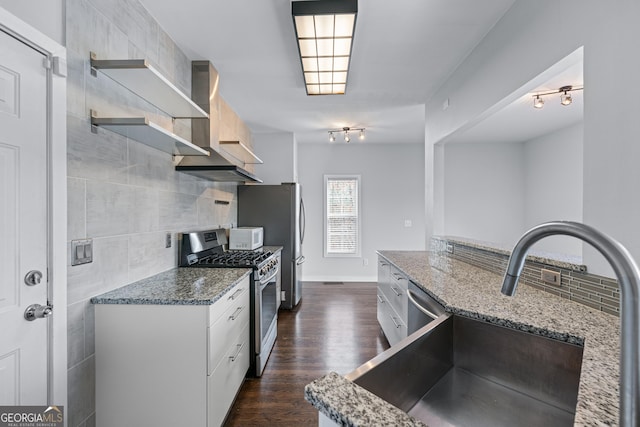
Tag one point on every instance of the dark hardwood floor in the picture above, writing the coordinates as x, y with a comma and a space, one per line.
334, 328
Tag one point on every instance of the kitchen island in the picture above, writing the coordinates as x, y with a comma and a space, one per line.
473, 292
172, 349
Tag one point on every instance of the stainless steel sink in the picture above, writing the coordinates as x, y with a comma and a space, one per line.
461, 372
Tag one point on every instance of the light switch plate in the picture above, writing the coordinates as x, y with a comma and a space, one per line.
81, 251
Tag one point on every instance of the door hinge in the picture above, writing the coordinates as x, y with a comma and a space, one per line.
57, 64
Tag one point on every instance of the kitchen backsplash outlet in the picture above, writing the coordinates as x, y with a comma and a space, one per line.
551, 277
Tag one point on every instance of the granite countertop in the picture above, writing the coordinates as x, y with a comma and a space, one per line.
179, 286
569, 262
470, 291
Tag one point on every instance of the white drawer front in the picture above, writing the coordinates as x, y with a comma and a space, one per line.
231, 298
226, 379
226, 329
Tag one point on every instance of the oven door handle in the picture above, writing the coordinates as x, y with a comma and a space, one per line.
419, 307
263, 282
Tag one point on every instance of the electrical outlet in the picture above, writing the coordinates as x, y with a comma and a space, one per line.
407, 223
365, 261
168, 241
549, 276
449, 248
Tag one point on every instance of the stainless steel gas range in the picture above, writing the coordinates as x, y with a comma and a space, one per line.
206, 249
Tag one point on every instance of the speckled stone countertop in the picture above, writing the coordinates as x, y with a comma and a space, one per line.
470, 291
569, 262
179, 286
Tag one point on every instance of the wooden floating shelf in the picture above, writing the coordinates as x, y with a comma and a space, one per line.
149, 133
143, 79
241, 152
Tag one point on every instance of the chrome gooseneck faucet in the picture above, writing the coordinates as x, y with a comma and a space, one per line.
628, 276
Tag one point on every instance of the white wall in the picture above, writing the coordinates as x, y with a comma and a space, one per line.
277, 151
45, 15
484, 191
392, 187
553, 184
530, 38
494, 192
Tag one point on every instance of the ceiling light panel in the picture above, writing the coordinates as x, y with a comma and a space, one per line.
324, 31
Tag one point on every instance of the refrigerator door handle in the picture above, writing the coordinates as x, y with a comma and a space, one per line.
300, 260
303, 221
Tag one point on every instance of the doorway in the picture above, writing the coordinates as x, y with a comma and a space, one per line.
33, 210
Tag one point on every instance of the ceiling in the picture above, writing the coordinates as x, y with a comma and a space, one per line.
403, 51
518, 121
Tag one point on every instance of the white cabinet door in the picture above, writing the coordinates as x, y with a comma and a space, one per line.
23, 222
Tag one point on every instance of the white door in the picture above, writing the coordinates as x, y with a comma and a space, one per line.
23, 222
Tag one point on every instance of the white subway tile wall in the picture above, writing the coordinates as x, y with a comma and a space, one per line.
122, 194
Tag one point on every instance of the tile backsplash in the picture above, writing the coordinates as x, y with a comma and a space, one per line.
600, 293
124, 195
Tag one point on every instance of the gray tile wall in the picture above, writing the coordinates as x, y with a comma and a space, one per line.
122, 194
601, 293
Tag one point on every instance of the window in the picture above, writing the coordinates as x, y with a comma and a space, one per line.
342, 215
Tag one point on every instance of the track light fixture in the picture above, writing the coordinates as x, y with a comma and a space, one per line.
565, 97
345, 131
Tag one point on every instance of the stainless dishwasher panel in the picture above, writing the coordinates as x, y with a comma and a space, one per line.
421, 309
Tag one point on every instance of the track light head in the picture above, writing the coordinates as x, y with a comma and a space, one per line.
538, 102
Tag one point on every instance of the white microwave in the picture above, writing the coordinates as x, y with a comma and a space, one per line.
245, 238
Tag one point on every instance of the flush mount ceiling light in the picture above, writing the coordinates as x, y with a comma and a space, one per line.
565, 97
345, 131
324, 31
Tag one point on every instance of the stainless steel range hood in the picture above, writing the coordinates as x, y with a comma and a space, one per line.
205, 132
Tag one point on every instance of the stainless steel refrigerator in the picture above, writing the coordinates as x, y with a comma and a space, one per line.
279, 209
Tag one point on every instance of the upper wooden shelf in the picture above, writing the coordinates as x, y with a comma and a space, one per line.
143, 79
240, 152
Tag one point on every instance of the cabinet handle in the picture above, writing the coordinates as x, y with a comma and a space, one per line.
236, 313
396, 291
235, 294
380, 300
235, 356
393, 319
398, 277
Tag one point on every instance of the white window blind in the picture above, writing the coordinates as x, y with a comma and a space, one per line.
342, 215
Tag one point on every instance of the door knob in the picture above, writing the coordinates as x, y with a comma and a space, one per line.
33, 278
37, 311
